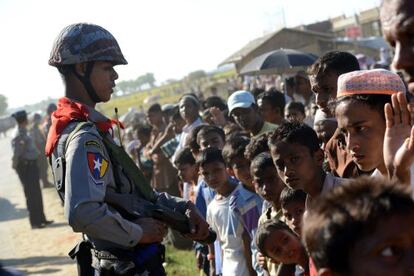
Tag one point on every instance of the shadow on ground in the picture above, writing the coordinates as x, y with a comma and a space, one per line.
9, 211
56, 224
37, 261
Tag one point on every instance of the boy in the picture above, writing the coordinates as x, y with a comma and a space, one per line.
293, 207
324, 75
359, 110
299, 160
238, 166
210, 136
295, 112
371, 221
257, 145
269, 186
278, 242
233, 214
144, 163
187, 172
243, 109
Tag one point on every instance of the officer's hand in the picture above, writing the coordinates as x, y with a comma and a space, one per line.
198, 226
152, 230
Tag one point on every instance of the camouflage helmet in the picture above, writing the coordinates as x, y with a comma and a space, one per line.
85, 42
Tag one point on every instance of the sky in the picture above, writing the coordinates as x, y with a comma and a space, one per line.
169, 38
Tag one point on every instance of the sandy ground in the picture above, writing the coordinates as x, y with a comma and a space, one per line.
33, 252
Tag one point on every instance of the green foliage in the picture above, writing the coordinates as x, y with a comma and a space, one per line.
3, 104
129, 86
180, 262
196, 75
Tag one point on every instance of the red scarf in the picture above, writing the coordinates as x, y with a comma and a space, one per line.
68, 111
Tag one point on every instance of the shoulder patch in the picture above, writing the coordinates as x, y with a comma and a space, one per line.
92, 143
97, 165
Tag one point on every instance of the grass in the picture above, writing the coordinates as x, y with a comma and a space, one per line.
180, 262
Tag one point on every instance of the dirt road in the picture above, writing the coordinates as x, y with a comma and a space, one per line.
33, 252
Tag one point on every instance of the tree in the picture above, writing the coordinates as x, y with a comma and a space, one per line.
196, 75
150, 79
3, 104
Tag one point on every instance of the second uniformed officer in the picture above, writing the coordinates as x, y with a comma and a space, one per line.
85, 55
24, 161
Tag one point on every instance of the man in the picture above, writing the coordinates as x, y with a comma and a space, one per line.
324, 75
40, 141
24, 161
85, 55
303, 89
48, 122
397, 24
164, 177
271, 106
243, 109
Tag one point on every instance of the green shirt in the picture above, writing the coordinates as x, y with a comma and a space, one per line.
267, 127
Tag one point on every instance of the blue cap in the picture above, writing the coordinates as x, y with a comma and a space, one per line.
241, 98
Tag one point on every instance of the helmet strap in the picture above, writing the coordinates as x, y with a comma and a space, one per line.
86, 81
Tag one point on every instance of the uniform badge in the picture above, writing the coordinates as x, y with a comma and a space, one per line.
97, 165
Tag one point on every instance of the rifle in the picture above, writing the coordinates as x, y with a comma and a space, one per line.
132, 206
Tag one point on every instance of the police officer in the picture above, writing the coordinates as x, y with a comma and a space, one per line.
85, 56
24, 161
40, 141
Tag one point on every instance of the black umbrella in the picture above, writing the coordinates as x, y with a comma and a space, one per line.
277, 62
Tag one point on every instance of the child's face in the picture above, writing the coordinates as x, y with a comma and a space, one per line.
296, 166
211, 140
364, 130
268, 184
293, 213
214, 174
294, 115
283, 247
241, 170
187, 172
388, 250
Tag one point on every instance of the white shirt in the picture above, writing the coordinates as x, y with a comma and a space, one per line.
377, 173
332, 182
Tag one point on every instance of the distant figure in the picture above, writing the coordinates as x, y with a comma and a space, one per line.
24, 161
48, 122
40, 142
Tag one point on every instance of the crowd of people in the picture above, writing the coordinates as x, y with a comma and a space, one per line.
256, 164
312, 177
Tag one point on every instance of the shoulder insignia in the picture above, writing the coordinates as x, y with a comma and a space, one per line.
92, 143
97, 165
